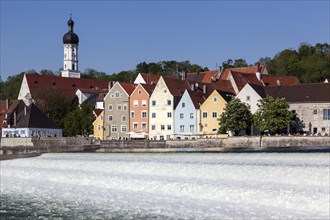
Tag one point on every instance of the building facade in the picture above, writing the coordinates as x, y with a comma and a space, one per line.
116, 111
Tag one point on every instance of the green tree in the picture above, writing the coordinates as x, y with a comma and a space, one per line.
240, 63
92, 74
236, 117
273, 115
79, 121
10, 88
228, 64
56, 105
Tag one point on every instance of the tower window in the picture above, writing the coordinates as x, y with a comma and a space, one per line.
73, 67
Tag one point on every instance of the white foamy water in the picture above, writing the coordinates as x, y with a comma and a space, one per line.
167, 186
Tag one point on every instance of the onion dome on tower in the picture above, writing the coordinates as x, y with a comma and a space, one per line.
70, 37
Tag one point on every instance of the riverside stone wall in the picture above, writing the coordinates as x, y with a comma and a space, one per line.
29, 146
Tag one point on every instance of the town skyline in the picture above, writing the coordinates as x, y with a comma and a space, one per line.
205, 33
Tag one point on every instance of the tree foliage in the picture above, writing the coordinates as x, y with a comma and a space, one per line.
236, 117
309, 63
79, 121
273, 115
10, 88
54, 104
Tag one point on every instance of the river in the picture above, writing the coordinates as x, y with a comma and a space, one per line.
167, 186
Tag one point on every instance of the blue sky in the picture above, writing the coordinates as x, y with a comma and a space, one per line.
117, 35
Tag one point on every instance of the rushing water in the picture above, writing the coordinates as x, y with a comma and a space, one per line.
167, 186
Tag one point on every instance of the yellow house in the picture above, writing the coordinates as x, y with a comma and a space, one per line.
98, 124
210, 112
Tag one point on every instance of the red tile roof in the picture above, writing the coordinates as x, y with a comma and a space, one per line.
303, 93
248, 70
205, 77
98, 111
128, 87
14, 105
148, 88
63, 84
223, 85
150, 78
241, 79
176, 86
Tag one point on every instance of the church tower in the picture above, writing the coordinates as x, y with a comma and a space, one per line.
70, 43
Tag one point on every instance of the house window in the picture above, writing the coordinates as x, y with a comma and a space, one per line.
169, 127
136, 103
132, 114
165, 91
315, 111
162, 127
123, 128
110, 107
323, 129
204, 114
139, 92
144, 125
214, 114
98, 127
143, 114
181, 115
153, 127
153, 115
248, 98
135, 125
123, 118
326, 114
169, 114
192, 128
119, 107
113, 128
181, 128
215, 99
144, 103
169, 102
117, 94
168, 137
214, 129
153, 103
191, 115
125, 106
110, 117
183, 104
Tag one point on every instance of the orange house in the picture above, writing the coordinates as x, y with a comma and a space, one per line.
139, 111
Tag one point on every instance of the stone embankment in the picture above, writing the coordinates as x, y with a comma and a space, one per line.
26, 147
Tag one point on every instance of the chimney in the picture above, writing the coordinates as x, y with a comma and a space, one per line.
110, 85
279, 83
7, 103
15, 119
204, 89
192, 87
198, 72
258, 67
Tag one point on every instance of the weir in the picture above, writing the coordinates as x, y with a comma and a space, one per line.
26, 147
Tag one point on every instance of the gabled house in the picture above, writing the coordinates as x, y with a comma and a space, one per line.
239, 80
211, 110
34, 84
147, 78
203, 77
162, 103
139, 110
116, 111
187, 114
32, 122
250, 94
311, 103
250, 70
98, 124
8, 112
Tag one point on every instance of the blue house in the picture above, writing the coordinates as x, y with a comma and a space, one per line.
187, 114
